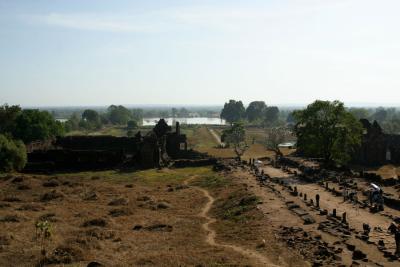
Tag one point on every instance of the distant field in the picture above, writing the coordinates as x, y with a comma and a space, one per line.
201, 139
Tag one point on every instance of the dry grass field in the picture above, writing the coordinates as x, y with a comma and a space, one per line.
145, 218
200, 139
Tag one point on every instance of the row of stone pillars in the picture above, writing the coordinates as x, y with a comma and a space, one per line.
317, 202
344, 214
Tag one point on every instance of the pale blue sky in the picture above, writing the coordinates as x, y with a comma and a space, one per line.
98, 52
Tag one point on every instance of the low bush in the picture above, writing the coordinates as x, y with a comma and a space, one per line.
12, 154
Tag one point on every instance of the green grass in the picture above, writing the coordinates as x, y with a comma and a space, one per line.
199, 138
237, 207
211, 181
147, 177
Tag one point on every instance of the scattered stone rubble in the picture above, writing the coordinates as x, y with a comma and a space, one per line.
310, 245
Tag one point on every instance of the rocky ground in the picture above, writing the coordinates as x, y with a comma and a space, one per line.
319, 232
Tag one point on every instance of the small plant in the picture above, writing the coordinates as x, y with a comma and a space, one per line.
43, 236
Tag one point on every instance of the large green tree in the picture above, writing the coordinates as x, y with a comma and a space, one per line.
255, 110
8, 115
119, 114
326, 130
90, 120
32, 125
233, 111
271, 115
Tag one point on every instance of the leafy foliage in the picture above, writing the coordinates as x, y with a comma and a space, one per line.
325, 129
233, 111
271, 115
255, 111
32, 125
8, 115
43, 235
12, 154
119, 114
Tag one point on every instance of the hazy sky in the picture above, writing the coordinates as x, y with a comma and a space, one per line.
95, 52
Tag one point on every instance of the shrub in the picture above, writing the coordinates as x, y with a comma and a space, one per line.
12, 154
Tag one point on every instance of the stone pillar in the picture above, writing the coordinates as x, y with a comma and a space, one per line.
344, 217
397, 240
334, 213
326, 185
317, 200
305, 197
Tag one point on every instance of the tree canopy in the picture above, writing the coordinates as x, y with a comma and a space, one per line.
326, 130
32, 125
119, 114
233, 111
255, 111
271, 115
8, 115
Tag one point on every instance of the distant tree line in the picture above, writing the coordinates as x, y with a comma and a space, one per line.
388, 118
324, 129
257, 112
91, 119
19, 127
146, 112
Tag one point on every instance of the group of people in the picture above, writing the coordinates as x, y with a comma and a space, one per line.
376, 197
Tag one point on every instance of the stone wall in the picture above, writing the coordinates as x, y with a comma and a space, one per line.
155, 149
375, 146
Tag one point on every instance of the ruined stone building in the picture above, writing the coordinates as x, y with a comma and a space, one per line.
377, 147
154, 149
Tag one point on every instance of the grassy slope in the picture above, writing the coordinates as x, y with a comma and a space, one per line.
200, 139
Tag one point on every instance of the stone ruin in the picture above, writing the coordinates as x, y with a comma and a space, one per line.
155, 149
377, 147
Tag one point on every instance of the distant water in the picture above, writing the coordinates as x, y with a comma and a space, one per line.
171, 121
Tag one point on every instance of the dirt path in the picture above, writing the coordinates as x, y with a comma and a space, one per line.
211, 234
216, 137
